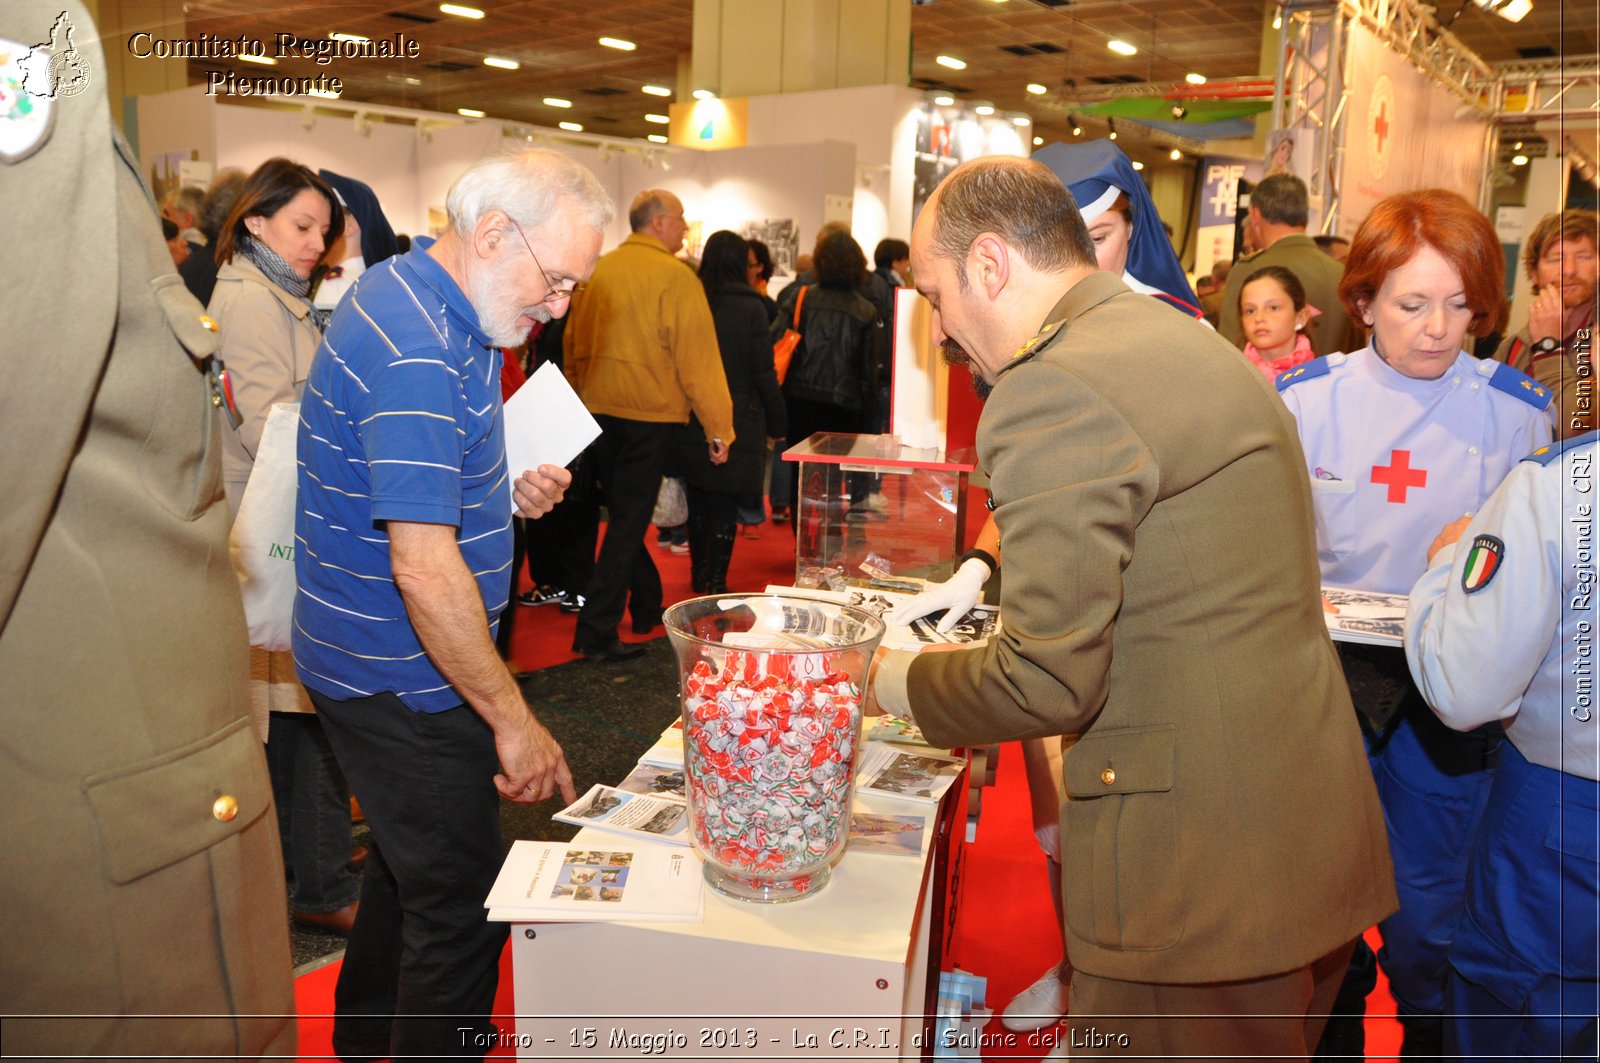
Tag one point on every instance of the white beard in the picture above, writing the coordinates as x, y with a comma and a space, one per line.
498, 313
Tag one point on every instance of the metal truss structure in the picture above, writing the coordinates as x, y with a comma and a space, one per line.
1312, 96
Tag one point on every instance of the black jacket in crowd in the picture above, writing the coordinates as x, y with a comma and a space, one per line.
758, 410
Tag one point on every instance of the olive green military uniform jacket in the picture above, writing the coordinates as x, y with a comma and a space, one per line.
141, 870
1161, 600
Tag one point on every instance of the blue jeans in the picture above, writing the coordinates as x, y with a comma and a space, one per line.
423, 961
313, 803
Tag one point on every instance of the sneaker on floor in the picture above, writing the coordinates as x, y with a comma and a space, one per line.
572, 603
541, 595
1041, 1004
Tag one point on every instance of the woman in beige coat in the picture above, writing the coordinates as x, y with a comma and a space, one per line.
281, 227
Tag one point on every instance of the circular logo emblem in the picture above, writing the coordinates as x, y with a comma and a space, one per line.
1380, 126
69, 73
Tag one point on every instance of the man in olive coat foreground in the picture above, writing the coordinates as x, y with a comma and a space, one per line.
142, 909
1222, 842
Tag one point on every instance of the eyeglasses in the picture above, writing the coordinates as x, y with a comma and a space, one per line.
554, 295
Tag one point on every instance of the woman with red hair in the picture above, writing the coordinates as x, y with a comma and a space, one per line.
1400, 438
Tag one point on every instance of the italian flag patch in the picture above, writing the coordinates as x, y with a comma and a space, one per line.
1483, 561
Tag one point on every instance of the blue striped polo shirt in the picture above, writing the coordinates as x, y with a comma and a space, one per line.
401, 420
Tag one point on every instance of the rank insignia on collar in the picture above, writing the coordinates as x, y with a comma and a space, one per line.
1039, 339
1483, 561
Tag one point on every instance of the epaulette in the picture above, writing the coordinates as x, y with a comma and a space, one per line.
1309, 370
1551, 451
1515, 382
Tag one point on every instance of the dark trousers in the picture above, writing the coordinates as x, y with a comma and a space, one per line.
713, 529
313, 803
631, 458
561, 543
423, 962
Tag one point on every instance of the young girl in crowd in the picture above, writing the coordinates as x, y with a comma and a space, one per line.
1274, 313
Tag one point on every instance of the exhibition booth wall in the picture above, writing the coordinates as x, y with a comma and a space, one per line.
781, 192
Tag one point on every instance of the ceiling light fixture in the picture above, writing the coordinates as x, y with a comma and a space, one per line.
945, 101
1121, 47
704, 94
556, 101
1077, 130
1277, 21
984, 109
1036, 88
618, 43
1137, 165
1037, 141
1517, 146
1519, 160
469, 112
1022, 121
325, 94
951, 61
1111, 123
658, 119
354, 37
264, 60
656, 90
501, 64
571, 127
460, 11
1175, 155
1510, 10
1195, 79
656, 138
1179, 111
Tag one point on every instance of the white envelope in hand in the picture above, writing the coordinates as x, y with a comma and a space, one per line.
546, 423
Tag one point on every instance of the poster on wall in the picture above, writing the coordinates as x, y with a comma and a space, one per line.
948, 137
782, 237
1218, 208
1403, 132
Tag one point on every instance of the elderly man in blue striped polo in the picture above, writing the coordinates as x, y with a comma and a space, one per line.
404, 539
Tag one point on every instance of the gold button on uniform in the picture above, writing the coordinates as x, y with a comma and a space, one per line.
225, 808
1108, 776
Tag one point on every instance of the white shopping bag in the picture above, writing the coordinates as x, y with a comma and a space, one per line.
262, 541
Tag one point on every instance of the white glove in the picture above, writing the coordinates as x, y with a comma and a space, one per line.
958, 595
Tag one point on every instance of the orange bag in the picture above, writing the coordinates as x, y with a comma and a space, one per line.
783, 350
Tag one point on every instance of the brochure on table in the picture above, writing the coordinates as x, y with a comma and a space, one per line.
973, 629
1365, 616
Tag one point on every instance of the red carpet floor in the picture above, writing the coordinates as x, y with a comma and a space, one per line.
1005, 931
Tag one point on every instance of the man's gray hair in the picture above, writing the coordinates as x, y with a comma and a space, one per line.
1281, 200
529, 186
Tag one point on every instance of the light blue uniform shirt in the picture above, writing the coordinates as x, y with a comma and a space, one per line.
1502, 625
1392, 460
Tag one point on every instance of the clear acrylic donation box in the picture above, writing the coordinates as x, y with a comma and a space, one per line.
872, 512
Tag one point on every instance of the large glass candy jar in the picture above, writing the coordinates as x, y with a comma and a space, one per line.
771, 692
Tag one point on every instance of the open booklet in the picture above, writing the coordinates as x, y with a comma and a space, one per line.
659, 817
974, 627
562, 882
1366, 616
912, 774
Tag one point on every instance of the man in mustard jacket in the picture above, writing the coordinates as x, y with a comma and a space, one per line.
641, 351
1222, 843
141, 890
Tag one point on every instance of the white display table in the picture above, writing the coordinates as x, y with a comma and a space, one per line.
841, 974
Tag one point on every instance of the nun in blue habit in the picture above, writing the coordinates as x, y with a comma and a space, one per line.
1127, 232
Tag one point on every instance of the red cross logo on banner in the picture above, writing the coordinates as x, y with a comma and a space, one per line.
1380, 125
1399, 476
